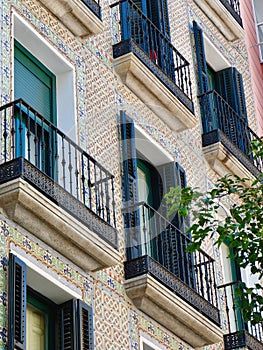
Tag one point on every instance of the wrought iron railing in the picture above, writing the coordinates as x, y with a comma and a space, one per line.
156, 46
148, 233
27, 134
218, 114
233, 6
94, 5
239, 331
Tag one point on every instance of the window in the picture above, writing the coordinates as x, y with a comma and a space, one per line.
36, 85
147, 23
258, 13
64, 106
148, 229
146, 344
37, 323
221, 96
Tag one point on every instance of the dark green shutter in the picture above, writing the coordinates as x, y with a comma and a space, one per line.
129, 159
172, 175
168, 179
183, 222
158, 14
201, 59
75, 326
129, 187
34, 83
67, 325
203, 87
16, 304
229, 84
85, 329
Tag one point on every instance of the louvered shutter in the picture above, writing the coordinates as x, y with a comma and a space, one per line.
201, 59
158, 13
203, 87
130, 187
67, 325
16, 304
85, 331
183, 222
172, 242
75, 326
229, 84
34, 83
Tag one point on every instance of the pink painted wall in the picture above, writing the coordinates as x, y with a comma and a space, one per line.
253, 56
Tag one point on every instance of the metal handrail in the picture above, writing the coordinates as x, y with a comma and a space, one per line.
157, 237
135, 25
26, 133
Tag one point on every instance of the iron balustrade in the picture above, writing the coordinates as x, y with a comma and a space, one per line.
233, 6
134, 24
148, 233
234, 317
218, 114
27, 134
94, 5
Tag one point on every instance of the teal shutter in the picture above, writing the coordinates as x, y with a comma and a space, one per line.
203, 86
201, 59
172, 243
67, 325
85, 329
183, 222
229, 85
16, 304
75, 326
130, 187
172, 175
34, 83
158, 14
129, 159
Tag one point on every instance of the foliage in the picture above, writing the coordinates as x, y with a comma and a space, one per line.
241, 228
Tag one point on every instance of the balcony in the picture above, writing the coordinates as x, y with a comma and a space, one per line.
226, 16
81, 17
175, 288
151, 67
226, 138
55, 190
239, 333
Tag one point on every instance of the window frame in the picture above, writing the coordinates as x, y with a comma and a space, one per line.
144, 340
257, 25
74, 311
49, 309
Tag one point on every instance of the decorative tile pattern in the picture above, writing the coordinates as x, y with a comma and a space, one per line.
99, 98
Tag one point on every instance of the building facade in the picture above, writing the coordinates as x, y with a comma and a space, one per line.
104, 106
252, 13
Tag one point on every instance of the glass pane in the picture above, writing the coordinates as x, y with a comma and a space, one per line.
260, 33
258, 6
35, 329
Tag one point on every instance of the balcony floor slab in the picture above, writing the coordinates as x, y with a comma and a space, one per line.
167, 308
78, 17
153, 92
223, 19
45, 219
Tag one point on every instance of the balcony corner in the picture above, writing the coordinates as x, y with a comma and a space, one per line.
29, 208
167, 308
174, 108
81, 17
225, 18
224, 157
